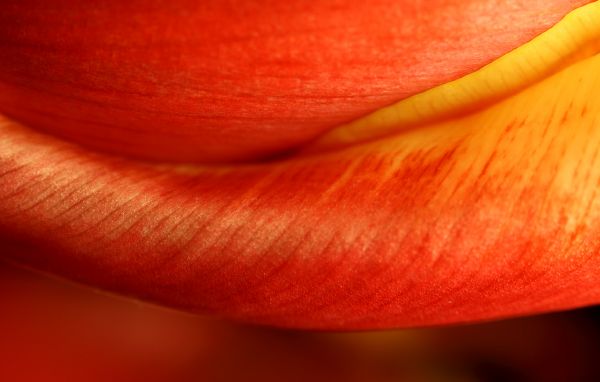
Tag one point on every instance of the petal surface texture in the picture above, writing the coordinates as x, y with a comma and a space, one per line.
215, 80
491, 214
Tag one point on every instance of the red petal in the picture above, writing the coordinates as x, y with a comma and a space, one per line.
224, 80
492, 214
453, 222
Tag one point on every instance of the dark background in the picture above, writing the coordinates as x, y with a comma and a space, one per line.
53, 330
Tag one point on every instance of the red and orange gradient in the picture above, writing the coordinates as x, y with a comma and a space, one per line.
331, 166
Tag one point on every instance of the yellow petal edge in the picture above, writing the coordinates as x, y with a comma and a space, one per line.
573, 39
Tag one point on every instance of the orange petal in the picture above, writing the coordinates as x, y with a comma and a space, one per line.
487, 215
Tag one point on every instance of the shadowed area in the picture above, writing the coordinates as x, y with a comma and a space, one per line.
57, 332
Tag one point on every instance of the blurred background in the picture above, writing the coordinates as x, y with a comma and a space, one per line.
52, 330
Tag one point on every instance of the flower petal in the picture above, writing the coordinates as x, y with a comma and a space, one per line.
489, 215
227, 80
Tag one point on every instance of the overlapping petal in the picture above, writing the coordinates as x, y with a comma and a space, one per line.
491, 214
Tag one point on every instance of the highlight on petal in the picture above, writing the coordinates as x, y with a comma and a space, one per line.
216, 80
488, 215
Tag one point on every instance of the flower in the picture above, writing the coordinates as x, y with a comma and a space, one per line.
474, 207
